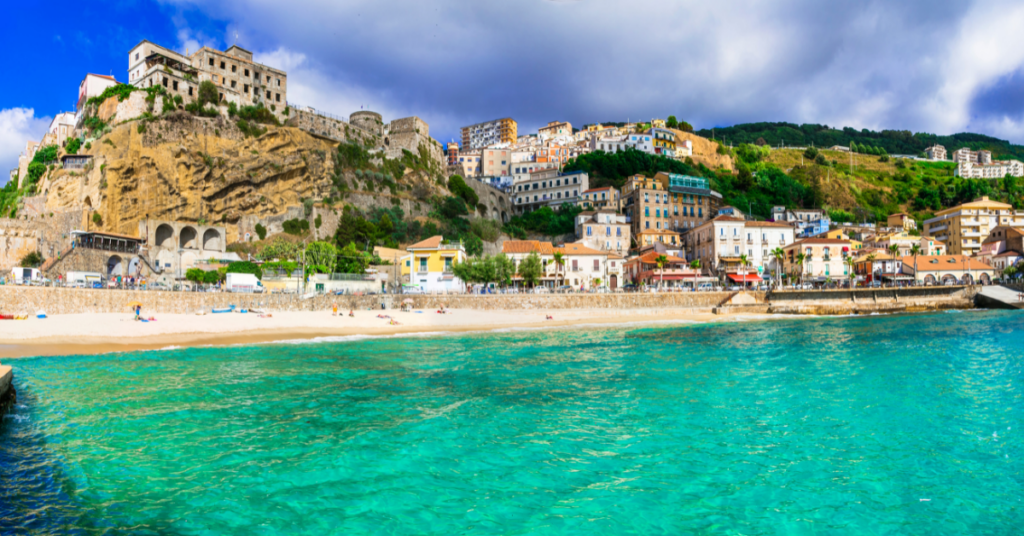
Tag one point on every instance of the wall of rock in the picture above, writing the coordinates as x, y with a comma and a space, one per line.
867, 301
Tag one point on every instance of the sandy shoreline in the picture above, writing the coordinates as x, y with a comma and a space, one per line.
117, 332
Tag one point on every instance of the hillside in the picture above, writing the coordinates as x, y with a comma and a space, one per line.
893, 141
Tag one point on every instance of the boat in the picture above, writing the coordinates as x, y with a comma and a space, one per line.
6, 317
40, 314
227, 309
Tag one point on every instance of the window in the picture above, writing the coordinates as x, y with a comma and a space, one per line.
618, 231
423, 264
189, 91
234, 68
588, 230
268, 94
736, 249
247, 72
607, 231
448, 264
278, 82
647, 212
245, 88
597, 265
211, 62
233, 84
268, 78
648, 225
277, 97
165, 81
222, 65
136, 56
722, 233
174, 84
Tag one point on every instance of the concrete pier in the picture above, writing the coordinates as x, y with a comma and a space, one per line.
1000, 297
6, 387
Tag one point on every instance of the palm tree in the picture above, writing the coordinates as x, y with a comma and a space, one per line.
559, 262
852, 264
743, 265
661, 261
915, 250
800, 260
894, 250
779, 256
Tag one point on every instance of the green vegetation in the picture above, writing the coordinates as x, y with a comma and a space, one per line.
121, 91
457, 185
612, 169
245, 267
209, 277
891, 141
544, 221
261, 231
74, 144
32, 259
490, 269
96, 218
296, 227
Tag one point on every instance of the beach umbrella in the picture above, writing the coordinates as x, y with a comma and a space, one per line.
134, 304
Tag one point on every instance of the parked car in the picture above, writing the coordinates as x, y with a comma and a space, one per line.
412, 290
541, 290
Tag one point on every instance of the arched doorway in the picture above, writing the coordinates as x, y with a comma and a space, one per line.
211, 240
929, 279
188, 238
968, 279
613, 281
164, 236
984, 279
947, 278
115, 266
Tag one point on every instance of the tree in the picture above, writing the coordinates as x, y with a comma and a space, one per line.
457, 185
779, 256
74, 144
894, 250
915, 250
744, 261
261, 231
529, 269
211, 277
661, 261
851, 264
351, 260
820, 160
208, 93
321, 258
31, 259
801, 258
559, 258
672, 122
504, 269
685, 127
811, 153
194, 275
245, 267
695, 264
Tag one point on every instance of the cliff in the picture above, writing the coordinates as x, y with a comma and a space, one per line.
705, 151
184, 168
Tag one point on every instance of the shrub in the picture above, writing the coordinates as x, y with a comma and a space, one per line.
261, 231
168, 105
488, 230
31, 260
318, 221
141, 128
250, 130
88, 145
245, 267
121, 91
296, 226
178, 100
258, 114
232, 109
208, 94
35, 172
73, 146
96, 218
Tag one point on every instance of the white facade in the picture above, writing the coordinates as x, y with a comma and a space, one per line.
93, 85
603, 231
62, 128
995, 170
549, 188
614, 144
521, 171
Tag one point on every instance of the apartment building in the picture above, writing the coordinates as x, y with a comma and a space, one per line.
495, 162
824, 260
902, 220
904, 241
521, 171
453, 153
954, 269
675, 272
666, 205
238, 78
555, 129
879, 266
966, 155
93, 85
603, 230
614, 144
664, 142
808, 221
935, 152
549, 188
962, 228
469, 161
606, 197
718, 244
993, 170
62, 128
489, 133
582, 266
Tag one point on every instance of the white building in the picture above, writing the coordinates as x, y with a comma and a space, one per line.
62, 128
935, 152
549, 188
603, 230
614, 144
521, 171
995, 170
719, 243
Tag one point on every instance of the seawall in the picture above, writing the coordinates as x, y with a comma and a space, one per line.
867, 301
7, 395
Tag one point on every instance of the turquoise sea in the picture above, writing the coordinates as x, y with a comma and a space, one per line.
868, 425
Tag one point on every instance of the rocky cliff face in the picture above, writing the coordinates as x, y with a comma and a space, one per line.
185, 168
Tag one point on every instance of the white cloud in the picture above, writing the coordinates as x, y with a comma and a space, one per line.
914, 64
17, 126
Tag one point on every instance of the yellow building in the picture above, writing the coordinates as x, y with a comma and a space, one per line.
964, 227
428, 265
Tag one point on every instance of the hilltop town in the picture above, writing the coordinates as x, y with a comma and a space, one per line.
198, 165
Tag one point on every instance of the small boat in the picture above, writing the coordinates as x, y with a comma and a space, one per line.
227, 309
40, 314
6, 317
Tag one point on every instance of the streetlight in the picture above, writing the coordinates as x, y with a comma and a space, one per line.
180, 286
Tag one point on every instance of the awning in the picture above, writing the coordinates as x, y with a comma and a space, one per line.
846, 248
749, 278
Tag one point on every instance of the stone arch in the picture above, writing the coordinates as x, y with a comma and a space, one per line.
188, 237
929, 279
87, 203
504, 217
968, 279
948, 277
164, 236
387, 142
494, 199
134, 267
212, 239
985, 279
115, 265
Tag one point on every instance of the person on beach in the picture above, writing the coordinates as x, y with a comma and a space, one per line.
334, 306
352, 313
138, 312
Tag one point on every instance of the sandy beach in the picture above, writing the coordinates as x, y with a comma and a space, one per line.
119, 332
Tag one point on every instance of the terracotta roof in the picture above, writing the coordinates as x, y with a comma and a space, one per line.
615, 256
104, 76
813, 240
657, 232
650, 258
573, 248
599, 189
527, 246
924, 263
726, 218
432, 242
1009, 253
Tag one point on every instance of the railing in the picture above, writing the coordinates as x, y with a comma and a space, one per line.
314, 111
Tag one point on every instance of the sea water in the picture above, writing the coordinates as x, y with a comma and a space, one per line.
879, 425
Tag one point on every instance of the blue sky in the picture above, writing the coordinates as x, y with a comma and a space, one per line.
919, 65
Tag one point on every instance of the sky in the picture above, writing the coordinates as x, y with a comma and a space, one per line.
925, 66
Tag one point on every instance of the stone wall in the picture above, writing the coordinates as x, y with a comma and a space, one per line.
328, 127
15, 299
866, 301
497, 203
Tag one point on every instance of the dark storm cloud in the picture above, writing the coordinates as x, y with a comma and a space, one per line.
905, 65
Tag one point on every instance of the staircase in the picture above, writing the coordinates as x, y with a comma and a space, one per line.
50, 263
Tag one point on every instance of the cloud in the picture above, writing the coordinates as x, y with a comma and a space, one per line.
17, 126
915, 64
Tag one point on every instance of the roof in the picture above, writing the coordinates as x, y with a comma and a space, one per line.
767, 224
113, 235
527, 246
430, 243
723, 217
599, 189
658, 232
651, 258
1009, 253
925, 264
981, 202
102, 76
388, 253
239, 48
878, 257
825, 241
574, 248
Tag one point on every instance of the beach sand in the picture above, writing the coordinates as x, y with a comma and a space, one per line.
117, 332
